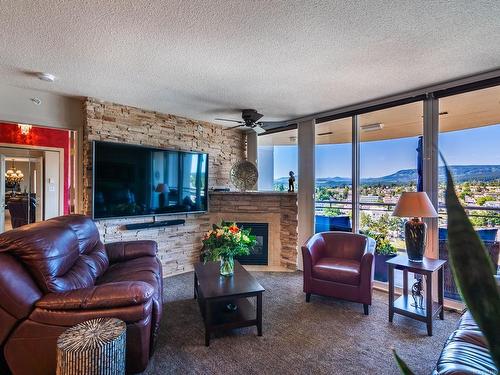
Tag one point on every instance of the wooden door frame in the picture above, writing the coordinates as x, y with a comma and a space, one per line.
61, 167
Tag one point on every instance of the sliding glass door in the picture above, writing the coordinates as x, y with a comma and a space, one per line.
333, 169
390, 155
469, 139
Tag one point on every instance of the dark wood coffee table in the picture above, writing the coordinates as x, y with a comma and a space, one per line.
214, 292
403, 305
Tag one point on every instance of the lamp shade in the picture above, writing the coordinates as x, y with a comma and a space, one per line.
413, 204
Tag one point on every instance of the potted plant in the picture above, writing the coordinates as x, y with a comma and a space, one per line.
224, 242
383, 252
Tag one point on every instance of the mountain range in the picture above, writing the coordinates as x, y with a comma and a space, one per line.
461, 173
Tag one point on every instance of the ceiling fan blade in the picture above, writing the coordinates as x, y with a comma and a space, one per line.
269, 125
258, 129
228, 120
234, 127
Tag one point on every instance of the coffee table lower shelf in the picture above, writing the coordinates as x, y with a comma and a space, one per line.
217, 317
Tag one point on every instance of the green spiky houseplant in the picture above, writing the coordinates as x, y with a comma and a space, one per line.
473, 272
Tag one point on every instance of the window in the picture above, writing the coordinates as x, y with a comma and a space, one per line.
469, 139
333, 192
277, 157
389, 154
391, 158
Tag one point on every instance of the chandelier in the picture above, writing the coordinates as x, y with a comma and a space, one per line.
13, 176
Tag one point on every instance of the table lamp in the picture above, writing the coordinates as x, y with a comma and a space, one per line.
415, 205
163, 190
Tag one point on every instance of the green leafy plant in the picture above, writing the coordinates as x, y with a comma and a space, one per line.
473, 272
403, 367
226, 240
384, 246
330, 211
382, 225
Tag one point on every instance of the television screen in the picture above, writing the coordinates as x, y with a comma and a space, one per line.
136, 180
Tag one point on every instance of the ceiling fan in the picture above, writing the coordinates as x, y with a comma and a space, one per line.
251, 121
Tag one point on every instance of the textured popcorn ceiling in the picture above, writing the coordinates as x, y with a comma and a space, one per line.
206, 59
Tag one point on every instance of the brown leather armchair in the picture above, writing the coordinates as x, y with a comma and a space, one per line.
339, 264
57, 273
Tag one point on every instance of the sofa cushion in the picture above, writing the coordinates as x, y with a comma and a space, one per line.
110, 295
145, 269
462, 355
128, 314
91, 248
61, 254
466, 351
127, 250
344, 271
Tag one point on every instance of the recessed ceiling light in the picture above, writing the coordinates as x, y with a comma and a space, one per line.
47, 77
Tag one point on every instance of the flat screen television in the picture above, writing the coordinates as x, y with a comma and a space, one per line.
133, 180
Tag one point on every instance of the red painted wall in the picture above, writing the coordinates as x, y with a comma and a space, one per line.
44, 137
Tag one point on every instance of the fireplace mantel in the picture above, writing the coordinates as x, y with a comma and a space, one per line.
278, 209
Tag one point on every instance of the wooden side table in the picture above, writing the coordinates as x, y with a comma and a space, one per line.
405, 305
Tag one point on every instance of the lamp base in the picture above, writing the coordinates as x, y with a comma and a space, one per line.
415, 238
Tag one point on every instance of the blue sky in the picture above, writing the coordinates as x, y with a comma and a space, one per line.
380, 158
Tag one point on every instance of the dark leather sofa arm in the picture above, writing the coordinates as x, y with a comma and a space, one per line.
118, 294
126, 250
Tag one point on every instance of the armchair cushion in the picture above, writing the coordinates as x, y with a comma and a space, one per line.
105, 296
126, 250
344, 271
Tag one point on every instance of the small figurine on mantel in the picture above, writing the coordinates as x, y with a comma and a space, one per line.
291, 182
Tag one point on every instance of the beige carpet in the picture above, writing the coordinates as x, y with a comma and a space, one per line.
325, 336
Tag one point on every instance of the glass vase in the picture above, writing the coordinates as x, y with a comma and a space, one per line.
227, 266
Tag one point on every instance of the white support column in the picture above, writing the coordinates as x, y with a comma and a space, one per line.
252, 146
252, 151
306, 183
265, 165
355, 174
430, 173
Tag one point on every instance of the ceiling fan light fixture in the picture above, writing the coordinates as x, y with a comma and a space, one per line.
258, 129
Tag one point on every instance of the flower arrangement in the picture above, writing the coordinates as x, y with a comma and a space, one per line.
224, 242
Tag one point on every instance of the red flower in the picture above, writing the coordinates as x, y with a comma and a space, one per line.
234, 229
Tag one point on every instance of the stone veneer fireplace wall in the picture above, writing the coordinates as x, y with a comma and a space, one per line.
178, 246
277, 209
